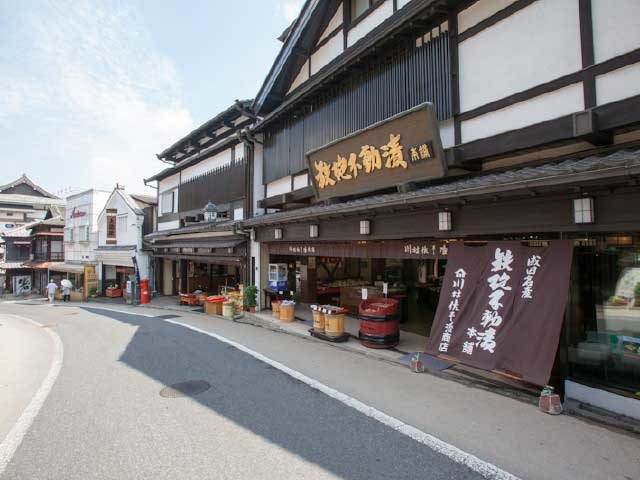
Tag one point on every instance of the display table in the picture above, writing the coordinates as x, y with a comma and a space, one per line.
113, 292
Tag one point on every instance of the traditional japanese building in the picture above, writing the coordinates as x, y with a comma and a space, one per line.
122, 224
392, 130
203, 195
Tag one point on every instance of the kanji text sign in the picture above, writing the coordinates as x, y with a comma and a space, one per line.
404, 148
502, 305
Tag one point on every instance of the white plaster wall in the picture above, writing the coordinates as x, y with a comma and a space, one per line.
602, 399
479, 11
300, 181
169, 183
535, 45
326, 53
215, 161
402, 3
133, 235
303, 76
334, 23
616, 27
447, 133
375, 18
619, 84
92, 203
258, 165
544, 107
277, 187
162, 226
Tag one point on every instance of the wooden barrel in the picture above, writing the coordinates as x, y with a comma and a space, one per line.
227, 309
379, 323
318, 320
275, 308
333, 324
287, 312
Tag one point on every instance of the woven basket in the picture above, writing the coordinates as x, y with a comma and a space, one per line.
287, 313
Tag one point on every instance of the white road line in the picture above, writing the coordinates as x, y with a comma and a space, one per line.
15, 436
486, 469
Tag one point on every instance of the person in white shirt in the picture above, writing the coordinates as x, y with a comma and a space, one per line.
51, 290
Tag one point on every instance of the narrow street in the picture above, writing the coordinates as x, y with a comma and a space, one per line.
105, 416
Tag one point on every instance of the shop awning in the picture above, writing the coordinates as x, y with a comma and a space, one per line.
68, 268
231, 260
44, 265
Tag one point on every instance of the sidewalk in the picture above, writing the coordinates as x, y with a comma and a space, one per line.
511, 434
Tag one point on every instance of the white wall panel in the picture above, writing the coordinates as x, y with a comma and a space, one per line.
619, 84
447, 133
300, 181
616, 27
216, 161
539, 109
535, 45
326, 53
303, 76
479, 11
168, 183
334, 23
402, 3
370, 22
168, 225
277, 187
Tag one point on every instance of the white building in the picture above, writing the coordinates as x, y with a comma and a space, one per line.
122, 224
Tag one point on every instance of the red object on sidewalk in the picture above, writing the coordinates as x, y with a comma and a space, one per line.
379, 323
145, 294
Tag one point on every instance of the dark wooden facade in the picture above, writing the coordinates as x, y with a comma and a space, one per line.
405, 76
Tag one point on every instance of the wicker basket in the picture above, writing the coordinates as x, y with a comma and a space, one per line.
287, 312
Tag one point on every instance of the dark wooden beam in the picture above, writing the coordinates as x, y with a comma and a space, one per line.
588, 57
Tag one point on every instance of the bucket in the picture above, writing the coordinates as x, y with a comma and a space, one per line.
287, 312
227, 309
275, 308
334, 322
318, 320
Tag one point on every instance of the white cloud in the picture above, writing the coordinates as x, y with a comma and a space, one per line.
290, 9
87, 78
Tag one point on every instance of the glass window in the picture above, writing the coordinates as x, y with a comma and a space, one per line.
111, 224
603, 324
358, 7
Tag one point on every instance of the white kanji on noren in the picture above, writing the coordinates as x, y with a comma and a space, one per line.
503, 260
499, 281
494, 299
467, 348
486, 340
490, 319
471, 332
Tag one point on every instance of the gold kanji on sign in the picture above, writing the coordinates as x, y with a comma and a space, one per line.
415, 156
339, 169
392, 151
353, 165
424, 151
323, 176
370, 158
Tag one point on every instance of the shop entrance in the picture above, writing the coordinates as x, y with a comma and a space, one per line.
341, 280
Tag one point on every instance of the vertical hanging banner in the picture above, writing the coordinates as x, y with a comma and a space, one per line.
502, 305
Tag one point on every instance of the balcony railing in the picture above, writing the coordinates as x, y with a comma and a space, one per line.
49, 257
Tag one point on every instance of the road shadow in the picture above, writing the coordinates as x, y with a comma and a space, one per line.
277, 407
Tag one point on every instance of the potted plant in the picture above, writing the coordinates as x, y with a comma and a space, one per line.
250, 296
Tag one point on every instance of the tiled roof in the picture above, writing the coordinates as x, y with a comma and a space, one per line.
565, 171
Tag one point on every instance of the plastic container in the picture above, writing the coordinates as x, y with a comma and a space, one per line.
227, 309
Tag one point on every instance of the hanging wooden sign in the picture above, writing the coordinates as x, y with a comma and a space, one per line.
404, 148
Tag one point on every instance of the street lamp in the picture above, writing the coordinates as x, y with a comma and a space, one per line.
210, 212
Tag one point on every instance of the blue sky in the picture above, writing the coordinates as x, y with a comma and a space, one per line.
91, 90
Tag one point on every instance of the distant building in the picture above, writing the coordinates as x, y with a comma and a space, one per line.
22, 202
122, 224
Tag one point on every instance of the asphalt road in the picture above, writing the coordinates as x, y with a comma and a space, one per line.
105, 418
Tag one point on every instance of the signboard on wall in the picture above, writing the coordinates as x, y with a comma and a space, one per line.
90, 280
404, 148
410, 249
502, 305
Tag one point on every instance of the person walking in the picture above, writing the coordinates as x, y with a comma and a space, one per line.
51, 290
66, 293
